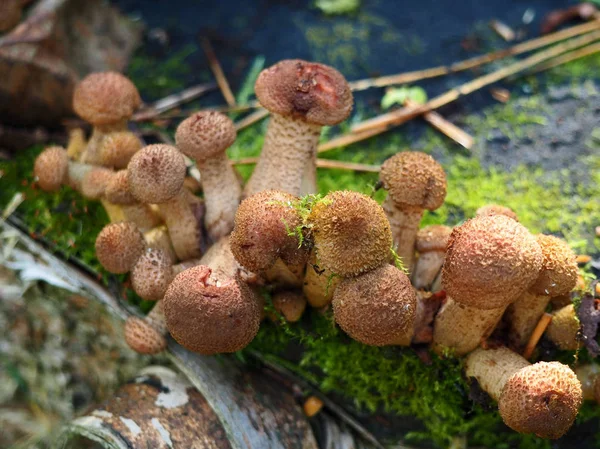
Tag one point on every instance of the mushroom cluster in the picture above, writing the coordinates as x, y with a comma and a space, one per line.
209, 262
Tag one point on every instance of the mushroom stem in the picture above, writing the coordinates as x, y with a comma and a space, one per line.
309, 179
114, 211
182, 225
564, 329
461, 328
405, 225
93, 150
284, 168
158, 238
427, 267
523, 315
319, 286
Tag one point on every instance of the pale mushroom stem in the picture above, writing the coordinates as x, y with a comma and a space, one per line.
290, 146
142, 215
156, 318
309, 179
158, 238
283, 275
405, 225
76, 173
319, 286
182, 225
493, 367
460, 328
427, 267
93, 150
222, 192
524, 314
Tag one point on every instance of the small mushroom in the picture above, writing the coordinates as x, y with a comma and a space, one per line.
543, 398
106, 100
376, 308
94, 182
431, 245
118, 148
147, 335
152, 274
557, 276
156, 174
490, 261
564, 329
290, 304
205, 137
119, 246
496, 209
53, 169
302, 98
415, 182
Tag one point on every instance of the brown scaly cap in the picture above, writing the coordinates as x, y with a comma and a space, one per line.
117, 190
142, 337
351, 232
558, 275
290, 304
51, 167
93, 184
105, 98
414, 179
543, 399
205, 135
208, 315
433, 238
152, 274
377, 308
118, 247
496, 209
490, 261
119, 147
156, 173
260, 235
310, 91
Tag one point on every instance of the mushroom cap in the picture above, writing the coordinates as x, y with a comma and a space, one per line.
305, 90
117, 190
433, 238
542, 398
490, 261
376, 308
142, 337
51, 167
564, 329
205, 134
152, 274
351, 233
414, 179
209, 315
261, 230
156, 173
496, 209
105, 98
119, 147
290, 304
558, 275
94, 182
118, 246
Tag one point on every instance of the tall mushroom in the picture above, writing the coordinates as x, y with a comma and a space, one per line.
558, 276
490, 261
543, 398
431, 245
156, 174
302, 98
415, 182
205, 137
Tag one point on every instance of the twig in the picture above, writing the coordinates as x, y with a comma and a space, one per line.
523, 47
172, 101
224, 109
567, 57
400, 116
347, 139
503, 30
446, 127
322, 163
539, 330
251, 119
215, 66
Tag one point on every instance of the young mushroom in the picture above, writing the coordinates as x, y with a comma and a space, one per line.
118, 148
152, 274
147, 335
302, 98
490, 261
496, 209
53, 169
431, 245
119, 246
415, 182
156, 174
376, 308
205, 137
557, 276
564, 329
290, 304
543, 398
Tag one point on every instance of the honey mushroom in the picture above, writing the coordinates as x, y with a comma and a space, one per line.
431, 245
564, 328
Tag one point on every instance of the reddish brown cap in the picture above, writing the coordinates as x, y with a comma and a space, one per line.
105, 98
143, 338
205, 134
496, 209
118, 247
433, 238
119, 147
558, 275
117, 190
414, 179
305, 90
51, 167
543, 399
209, 315
376, 308
152, 274
351, 233
94, 182
490, 261
156, 173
